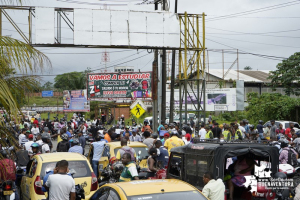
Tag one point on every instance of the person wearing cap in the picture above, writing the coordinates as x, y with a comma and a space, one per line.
28, 144
165, 137
173, 142
135, 137
75, 147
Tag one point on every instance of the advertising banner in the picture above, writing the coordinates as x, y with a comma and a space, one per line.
47, 93
216, 100
76, 101
115, 85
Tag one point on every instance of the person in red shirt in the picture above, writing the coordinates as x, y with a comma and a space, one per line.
36, 122
288, 130
7, 168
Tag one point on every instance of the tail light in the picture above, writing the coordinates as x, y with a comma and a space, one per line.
38, 186
94, 185
7, 187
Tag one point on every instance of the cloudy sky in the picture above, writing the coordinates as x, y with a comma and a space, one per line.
265, 31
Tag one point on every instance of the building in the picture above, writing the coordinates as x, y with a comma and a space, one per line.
123, 69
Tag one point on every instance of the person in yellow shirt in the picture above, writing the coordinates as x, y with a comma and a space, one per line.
173, 141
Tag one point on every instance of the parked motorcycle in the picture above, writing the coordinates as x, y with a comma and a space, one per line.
7, 190
112, 172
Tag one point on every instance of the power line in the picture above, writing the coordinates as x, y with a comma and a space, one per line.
258, 43
263, 9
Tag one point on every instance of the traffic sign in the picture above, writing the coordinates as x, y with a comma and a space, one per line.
138, 111
47, 93
138, 102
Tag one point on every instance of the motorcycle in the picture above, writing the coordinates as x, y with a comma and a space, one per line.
79, 191
112, 172
7, 190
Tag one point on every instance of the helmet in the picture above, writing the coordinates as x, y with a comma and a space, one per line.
34, 145
75, 141
145, 121
46, 136
127, 127
280, 175
154, 135
260, 121
64, 136
175, 133
3, 153
251, 126
118, 168
210, 126
284, 143
112, 160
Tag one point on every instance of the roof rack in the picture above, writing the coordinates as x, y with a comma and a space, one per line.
221, 141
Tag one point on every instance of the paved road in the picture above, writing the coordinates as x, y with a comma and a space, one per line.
54, 142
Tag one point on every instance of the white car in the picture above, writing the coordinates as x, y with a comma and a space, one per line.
285, 124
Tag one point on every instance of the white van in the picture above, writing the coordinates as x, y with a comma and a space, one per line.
29, 113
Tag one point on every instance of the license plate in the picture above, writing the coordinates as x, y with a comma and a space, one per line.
7, 192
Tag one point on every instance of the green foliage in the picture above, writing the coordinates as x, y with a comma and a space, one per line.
71, 81
233, 116
247, 68
271, 106
47, 86
287, 75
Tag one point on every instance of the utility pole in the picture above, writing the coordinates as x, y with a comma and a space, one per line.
171, 120
0, 21
163, 79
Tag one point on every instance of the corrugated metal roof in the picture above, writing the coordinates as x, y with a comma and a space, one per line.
246, 75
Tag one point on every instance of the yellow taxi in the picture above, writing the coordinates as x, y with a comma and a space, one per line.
160, 189
31, 184
111, 149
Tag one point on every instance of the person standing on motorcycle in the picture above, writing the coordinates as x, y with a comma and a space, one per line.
129, 172
125, 149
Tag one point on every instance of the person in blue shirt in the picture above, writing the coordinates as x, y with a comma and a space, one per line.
260, 130
161, 125
75, 148
97, 149
162, 153
127, 131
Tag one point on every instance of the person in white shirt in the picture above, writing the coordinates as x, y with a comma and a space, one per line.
59, 184
202, 132
35, 130
213, 189
242, 129
22, 136
27, 145
39, 139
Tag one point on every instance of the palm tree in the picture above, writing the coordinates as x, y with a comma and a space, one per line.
15, 56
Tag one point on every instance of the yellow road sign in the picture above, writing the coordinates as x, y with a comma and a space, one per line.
138, 111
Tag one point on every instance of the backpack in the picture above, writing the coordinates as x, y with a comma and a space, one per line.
292, 158
63, 146
130, 152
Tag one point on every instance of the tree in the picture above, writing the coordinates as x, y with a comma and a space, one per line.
287, 75
47, 86
15, 56
247, 68
271, 106
71, 81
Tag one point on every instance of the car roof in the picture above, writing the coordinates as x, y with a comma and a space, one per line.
141, 187
52, 157
131, 144
283, 121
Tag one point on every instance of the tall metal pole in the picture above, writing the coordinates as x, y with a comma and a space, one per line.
58, 27
171, 119
223, 63
204, 81
154, 91
163, 79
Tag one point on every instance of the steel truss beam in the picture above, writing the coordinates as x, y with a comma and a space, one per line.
191, 67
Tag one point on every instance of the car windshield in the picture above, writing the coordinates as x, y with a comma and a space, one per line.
144, 151
81, 168
170, 196
191, 115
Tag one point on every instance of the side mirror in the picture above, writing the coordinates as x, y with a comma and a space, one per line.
139, 153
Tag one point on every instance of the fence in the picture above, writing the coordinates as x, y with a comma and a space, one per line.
39, 94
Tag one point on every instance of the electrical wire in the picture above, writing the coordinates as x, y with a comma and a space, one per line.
263, 9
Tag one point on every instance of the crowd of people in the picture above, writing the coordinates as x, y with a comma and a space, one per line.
35, 136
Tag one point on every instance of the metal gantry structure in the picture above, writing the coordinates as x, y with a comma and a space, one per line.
191, 66
191, 61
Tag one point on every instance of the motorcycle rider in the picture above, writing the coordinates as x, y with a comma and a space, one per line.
125, 149
209, 134
75, 148
7, 168
129, 172
253, 133
152, 163
64, 145
46, 139
162, 153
